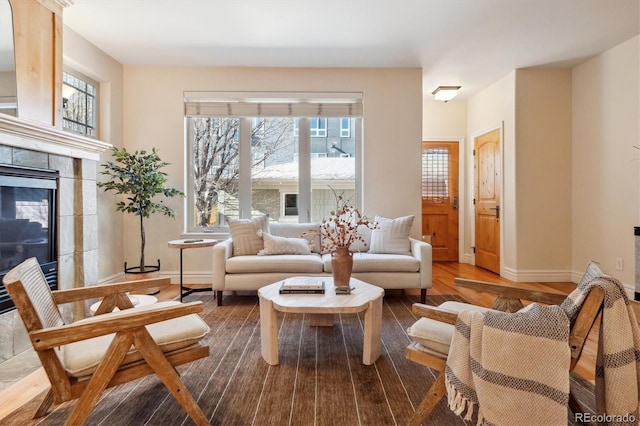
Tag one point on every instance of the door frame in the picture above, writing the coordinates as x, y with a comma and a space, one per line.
462, 205
472, 216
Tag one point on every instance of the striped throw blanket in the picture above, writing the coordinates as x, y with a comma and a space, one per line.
618, 357
510, 369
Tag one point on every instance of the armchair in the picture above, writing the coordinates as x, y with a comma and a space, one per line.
84, 358
433, 332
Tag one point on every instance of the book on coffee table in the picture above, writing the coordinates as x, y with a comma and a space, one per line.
302, 285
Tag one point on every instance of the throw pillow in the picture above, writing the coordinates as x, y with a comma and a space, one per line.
283, 245
244, 233
362, 246
392, 235
592, 271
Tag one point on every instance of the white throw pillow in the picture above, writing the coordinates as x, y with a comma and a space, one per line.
283, 245
392, 235
244, 233
362, 246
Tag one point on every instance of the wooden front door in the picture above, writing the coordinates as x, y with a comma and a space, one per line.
440, 198
488, 176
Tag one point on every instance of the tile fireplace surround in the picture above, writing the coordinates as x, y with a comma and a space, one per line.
30, 144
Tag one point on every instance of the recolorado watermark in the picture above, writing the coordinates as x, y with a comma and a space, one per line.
604, 418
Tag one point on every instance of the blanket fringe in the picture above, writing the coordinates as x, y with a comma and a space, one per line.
458, 404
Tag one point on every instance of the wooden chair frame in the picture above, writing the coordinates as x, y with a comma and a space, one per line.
509, 300
129, 329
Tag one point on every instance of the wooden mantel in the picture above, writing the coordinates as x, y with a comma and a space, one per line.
37, 28
28, 134
37, 34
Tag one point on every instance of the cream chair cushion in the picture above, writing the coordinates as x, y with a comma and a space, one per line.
82, 358
433, 336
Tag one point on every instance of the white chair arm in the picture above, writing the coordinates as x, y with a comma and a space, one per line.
221, 253
423, 252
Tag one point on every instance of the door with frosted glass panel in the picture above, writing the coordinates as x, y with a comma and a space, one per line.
440, 198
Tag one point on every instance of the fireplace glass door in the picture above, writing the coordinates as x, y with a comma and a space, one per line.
27, 222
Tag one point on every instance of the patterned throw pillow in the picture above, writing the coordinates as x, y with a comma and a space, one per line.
244, 233
592, 271
283, 245
392, 235
362, 246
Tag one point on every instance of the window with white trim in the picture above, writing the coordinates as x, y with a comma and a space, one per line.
79, 104
345, 127
290, 204
250, 155
318, 127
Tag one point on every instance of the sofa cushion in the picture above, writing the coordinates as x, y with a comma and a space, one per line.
435, 336
82, 358
361, 246
373, 262
308, 231
282, 245
244, 233
392, 235
289, 263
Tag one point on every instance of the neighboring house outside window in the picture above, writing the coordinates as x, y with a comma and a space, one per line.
244, 167
290, 204
79, 104
318, 127
345, 127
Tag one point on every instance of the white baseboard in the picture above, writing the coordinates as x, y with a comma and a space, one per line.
554, 276
524, 276
191, 277
468, 258
115, 278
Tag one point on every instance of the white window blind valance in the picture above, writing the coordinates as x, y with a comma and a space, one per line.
273, 104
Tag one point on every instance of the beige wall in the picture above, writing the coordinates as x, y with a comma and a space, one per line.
94, 63
543, 174
605, 167
444, 120
603, 171
492, 108
142, 107
153, 112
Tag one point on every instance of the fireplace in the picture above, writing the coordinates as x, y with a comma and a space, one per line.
27, 222
35, 155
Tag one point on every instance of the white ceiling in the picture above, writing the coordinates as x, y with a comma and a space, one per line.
471, 43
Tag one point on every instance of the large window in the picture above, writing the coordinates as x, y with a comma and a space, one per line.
318, 127
79, 104
265, 157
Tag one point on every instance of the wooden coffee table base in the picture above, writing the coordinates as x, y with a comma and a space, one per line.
322, 307
321, 320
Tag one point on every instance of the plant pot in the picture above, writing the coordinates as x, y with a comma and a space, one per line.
134, 273
341, 266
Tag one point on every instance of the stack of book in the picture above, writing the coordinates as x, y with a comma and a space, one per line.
302, 285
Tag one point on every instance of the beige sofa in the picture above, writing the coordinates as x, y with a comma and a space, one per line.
250, 272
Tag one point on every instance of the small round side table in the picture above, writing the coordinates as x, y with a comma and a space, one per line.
188, 244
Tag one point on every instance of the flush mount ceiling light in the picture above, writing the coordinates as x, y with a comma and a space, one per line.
445, 93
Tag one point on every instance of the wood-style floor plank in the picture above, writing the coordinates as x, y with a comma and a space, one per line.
32, 386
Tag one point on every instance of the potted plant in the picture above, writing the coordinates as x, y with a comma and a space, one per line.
138, 177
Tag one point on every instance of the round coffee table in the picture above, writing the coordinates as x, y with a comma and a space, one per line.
364, 297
